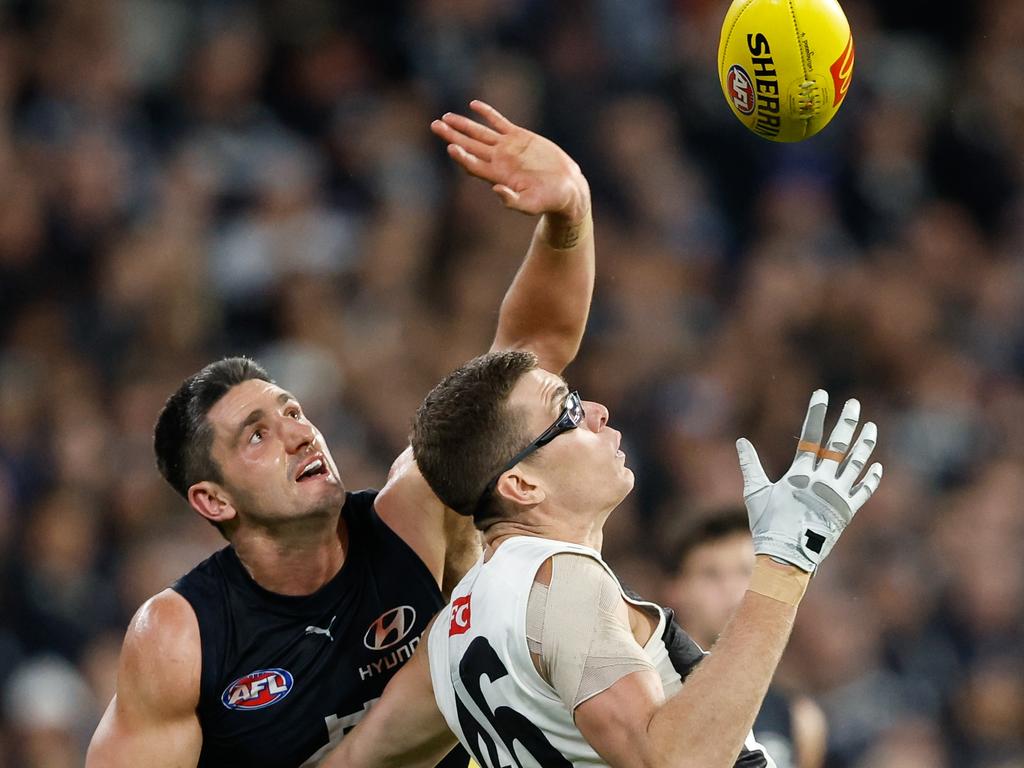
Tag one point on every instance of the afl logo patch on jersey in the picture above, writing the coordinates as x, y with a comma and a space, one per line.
258, 689
391, 628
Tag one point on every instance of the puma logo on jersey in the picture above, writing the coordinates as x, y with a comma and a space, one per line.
311, 630
460, 616
258, 689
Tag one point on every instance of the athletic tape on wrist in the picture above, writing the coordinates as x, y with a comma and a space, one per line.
783, 584
567, 237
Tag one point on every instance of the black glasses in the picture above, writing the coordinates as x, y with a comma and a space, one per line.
570, 417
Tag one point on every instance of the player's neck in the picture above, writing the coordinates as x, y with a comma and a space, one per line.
560, 530
294, 561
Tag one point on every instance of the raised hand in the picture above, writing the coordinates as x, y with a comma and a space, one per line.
799, 518
528, 172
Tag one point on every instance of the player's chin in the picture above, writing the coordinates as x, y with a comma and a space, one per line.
626, 481
627, 475
324, 509
325, 495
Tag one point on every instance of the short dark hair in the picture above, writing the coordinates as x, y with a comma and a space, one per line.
183, 437
465, 431
706, 529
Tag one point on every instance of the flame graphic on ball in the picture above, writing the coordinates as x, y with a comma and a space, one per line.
842, 72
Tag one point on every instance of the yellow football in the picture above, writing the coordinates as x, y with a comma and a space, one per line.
785, 65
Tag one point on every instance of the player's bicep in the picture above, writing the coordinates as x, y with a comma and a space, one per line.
590, 655
579, 626
152, 717
128, 738
404, 729
615, 721
412, 510
446, 542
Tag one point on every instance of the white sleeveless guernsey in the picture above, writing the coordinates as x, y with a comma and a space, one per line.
485, 683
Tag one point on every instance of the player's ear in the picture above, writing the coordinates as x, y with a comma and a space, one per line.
211, 501
520, 488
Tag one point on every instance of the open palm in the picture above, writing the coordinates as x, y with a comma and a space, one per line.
528, 172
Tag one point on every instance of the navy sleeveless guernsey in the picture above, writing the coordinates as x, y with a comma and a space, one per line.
284, 678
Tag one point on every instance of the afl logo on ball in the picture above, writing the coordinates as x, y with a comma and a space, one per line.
391, 628
741, 90
258, 689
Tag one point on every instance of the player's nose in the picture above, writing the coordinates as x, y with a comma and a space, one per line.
597, 415
297, 433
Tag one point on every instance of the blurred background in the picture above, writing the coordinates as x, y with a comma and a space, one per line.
185, 179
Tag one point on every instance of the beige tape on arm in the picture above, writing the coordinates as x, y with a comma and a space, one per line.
586, 641
783, 583
563, 236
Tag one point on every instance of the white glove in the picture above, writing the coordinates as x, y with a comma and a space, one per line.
798, 519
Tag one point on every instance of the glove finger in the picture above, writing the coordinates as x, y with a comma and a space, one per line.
851, 469
812, 432
862, 491
835, 450
754, 477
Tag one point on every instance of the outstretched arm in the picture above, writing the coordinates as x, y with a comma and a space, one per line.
795, 523
705, 724
545, 309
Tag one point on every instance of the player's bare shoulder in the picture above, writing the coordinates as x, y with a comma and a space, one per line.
161, 659
152, 718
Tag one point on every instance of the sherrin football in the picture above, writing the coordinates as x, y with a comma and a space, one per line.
785, 65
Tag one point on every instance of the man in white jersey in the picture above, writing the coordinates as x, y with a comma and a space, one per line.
541, 659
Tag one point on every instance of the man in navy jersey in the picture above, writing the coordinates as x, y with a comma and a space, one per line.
267, 653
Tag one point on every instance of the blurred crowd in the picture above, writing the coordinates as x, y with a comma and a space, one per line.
185, 179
